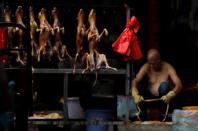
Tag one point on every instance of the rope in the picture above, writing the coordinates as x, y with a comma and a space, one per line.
152, 100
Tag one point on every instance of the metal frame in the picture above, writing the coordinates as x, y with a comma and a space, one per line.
125, 72
21, 118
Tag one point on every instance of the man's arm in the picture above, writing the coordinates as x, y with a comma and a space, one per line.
177, 85
175, 79
139, 76
134, 84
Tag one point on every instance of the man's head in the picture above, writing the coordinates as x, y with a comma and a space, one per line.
154, 59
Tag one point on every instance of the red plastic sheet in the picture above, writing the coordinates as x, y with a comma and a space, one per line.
127, 43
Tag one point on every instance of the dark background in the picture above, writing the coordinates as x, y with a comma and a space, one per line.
169, 25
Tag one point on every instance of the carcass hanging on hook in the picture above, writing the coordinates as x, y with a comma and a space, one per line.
79, 36
45, 30
21, 55
33, 28
93, 59
59, 49
7, 13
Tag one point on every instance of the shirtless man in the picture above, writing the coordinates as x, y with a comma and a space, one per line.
160, 74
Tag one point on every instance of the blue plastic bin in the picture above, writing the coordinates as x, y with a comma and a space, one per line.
96, 119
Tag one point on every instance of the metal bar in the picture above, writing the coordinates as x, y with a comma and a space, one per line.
152, 100
65, 93
78, 71
127, 85
12, 24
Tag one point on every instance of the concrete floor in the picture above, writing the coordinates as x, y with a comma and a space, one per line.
133, 126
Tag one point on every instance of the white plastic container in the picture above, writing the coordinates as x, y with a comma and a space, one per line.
75, 110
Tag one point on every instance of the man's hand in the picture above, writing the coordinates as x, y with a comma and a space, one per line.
166, 98
137, 98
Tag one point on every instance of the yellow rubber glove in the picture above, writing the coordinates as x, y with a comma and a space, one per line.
137, 98
166, 98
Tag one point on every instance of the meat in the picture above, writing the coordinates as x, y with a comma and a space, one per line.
79, 36
94, 59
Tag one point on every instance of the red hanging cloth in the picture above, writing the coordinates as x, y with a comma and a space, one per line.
127, 43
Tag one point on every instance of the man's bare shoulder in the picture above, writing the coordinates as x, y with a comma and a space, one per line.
143, 70
145, 67
168, 66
